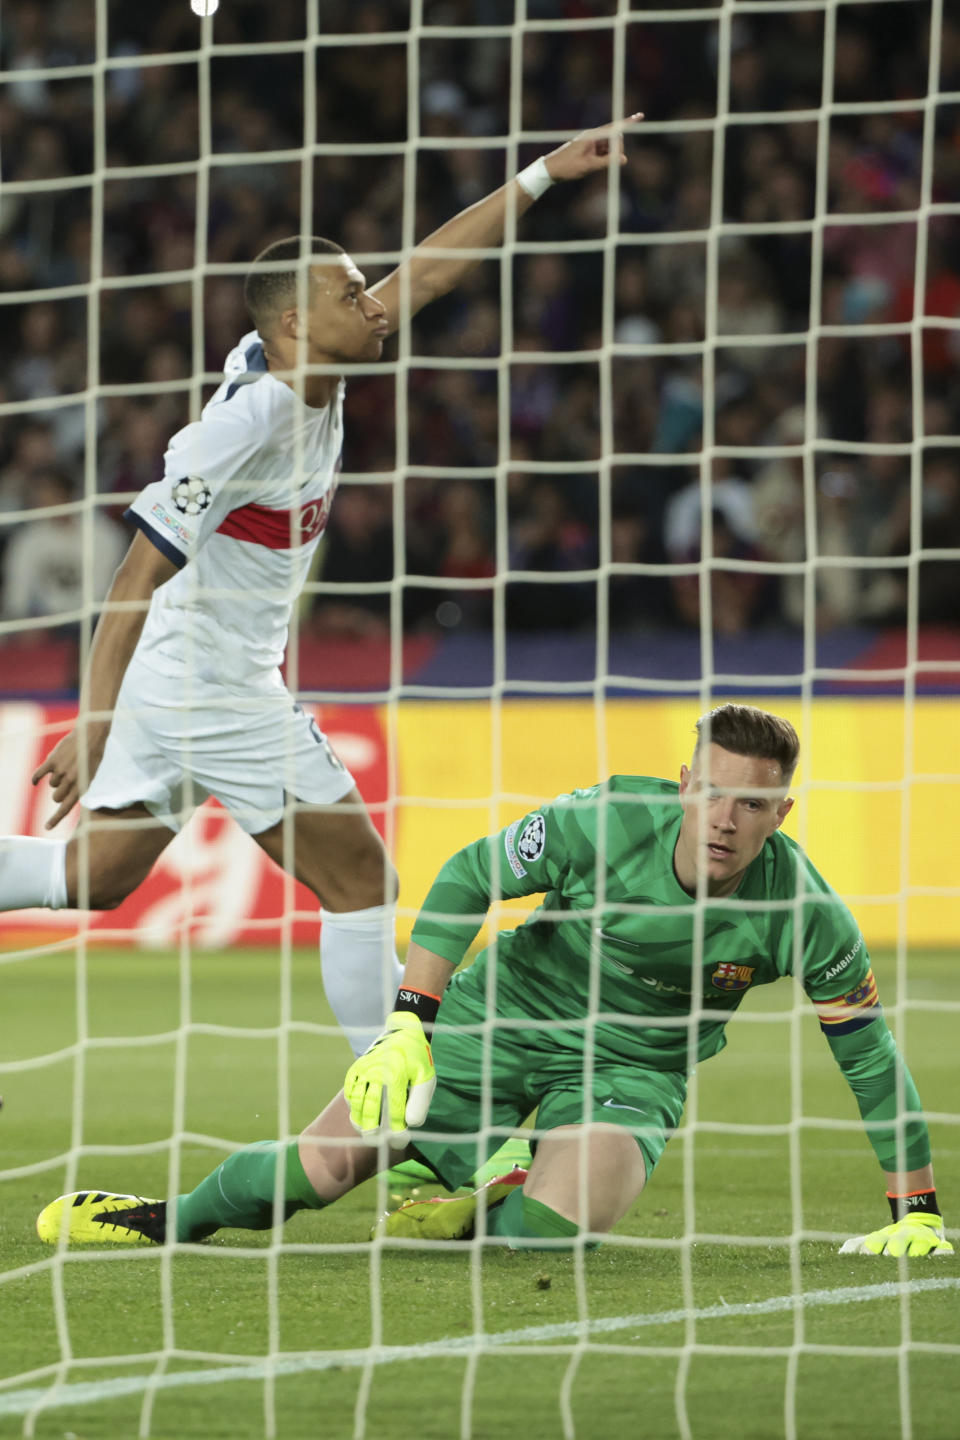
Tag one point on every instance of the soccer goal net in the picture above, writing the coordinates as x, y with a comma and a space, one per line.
687, 432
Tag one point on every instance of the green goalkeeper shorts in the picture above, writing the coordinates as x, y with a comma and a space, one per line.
488, 1083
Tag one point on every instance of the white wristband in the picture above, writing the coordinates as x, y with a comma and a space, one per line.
536, 179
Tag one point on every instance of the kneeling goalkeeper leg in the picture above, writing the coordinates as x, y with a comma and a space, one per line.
525, 1224
239, 1194
599, 1166
593, 1172
511, 1215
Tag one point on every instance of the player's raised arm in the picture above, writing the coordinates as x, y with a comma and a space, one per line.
73, 762
482, 225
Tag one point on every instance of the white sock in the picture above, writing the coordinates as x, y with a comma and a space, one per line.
361, 971
32, 873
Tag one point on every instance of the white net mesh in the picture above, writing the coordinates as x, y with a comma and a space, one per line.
691, 430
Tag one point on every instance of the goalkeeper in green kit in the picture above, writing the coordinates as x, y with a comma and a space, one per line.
593, 1013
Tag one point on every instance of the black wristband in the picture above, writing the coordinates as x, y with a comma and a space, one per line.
421, 1003
921, 1202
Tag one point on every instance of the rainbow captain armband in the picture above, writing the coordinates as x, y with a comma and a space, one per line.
849, 1012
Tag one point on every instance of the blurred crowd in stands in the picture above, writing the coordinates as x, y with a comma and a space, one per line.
598, 462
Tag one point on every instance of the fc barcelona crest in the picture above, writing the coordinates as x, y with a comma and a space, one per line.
728, 976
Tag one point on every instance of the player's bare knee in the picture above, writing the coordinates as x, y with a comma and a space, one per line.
91, 888
102, 892
381, 883
372, 882
375, 874
332, 1167
590, 1174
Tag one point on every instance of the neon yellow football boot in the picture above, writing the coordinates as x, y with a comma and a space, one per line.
514, 1154
96, 1217
446, 1219
410, 1175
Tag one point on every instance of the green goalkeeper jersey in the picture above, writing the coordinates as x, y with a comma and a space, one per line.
619, 942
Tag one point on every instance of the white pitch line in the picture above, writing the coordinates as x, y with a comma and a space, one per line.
88, 1392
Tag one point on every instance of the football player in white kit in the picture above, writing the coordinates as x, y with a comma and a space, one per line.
183, 698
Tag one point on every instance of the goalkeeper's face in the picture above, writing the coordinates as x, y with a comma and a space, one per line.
344, 323
732, 804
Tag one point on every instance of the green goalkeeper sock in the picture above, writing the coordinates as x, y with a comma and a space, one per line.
239, 1193
523, 1221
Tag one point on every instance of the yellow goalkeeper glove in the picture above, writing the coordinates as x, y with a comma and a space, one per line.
398, 1063
919, 1234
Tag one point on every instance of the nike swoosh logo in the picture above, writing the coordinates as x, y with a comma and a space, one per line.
612, 1105
624, 969
671, 949
605, 936
681, 946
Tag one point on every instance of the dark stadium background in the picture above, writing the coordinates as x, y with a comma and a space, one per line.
553, 518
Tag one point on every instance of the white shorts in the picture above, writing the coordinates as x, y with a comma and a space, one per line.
173, 743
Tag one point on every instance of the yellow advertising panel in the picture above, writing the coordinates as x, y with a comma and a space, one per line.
877, 788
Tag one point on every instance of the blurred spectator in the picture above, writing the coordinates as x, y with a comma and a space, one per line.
938, 591
559, 300
464, 532
534, 391
850, 520
637, 599
34, 450
132, 450
746, 306
467, 532
737, 595
546, 303
732, 498
40, 337
50, 562
547, 535
358, 551
780, 511
634, 325
941, 345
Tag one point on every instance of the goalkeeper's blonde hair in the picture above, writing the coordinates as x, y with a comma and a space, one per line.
747, 730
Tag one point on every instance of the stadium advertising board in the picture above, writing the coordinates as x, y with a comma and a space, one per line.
428, 771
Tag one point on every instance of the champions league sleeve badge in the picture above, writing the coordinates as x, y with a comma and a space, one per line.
532, 839
191, 497
528, 847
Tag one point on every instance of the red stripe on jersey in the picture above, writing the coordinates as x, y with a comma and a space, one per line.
278, 529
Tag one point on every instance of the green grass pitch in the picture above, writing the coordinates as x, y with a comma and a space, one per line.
238, 1300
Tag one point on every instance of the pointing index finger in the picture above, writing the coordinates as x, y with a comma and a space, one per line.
41, 770
615, 126
66, 796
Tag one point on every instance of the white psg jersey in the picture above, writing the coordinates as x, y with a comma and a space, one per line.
244, 500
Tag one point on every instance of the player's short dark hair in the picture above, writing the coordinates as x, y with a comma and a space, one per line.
271, 287
746, 730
